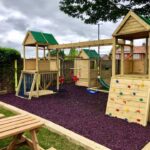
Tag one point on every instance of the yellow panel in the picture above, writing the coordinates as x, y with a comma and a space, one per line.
131, 25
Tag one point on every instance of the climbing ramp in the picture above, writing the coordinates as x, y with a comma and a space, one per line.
129, 99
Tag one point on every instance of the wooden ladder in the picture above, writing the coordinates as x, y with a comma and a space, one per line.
33, 85
19, 85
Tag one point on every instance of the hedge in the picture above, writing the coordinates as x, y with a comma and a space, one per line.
8, 55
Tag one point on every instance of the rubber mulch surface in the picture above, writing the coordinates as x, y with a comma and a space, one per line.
84, 113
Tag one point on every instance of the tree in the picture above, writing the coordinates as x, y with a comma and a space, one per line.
93, 11
72, 54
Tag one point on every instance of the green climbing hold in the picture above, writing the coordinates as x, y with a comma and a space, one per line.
121, 93
110, 114
141, 99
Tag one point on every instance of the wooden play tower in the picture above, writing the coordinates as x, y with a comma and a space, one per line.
129, 95
37, 72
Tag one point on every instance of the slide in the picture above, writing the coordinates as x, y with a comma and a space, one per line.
103, 83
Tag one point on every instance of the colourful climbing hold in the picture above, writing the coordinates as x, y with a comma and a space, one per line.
117, 109
129, 86
141, 99
121, 93
127, 110
112, 99
134, 93
138, 120
124, 101
138, 111
117, 81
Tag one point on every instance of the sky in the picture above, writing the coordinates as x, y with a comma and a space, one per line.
19, 16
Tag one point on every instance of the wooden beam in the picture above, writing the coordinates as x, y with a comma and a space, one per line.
37, 58
149, 56
58, 70
132, 53
82, 44
146, 57
122, 60
24, 58
114, 57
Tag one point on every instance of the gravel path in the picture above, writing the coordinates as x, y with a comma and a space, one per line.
83, 113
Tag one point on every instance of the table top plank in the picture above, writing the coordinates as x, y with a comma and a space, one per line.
19, 126
10, 119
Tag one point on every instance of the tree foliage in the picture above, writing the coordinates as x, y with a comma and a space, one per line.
93, 11
8, 55
73, 52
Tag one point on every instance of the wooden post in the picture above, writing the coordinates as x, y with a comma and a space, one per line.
114, 57
149, 56
37, 57
132, 61
37, 70
146, 57
44, 55
16, 76
58, 69
49, 58
122, 60
24, 58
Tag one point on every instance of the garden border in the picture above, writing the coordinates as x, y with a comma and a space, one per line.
70, 135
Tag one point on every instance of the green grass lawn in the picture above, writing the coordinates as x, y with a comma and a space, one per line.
46, 138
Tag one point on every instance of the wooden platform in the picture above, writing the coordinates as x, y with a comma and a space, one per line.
41, 93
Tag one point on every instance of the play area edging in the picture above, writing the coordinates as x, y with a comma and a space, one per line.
70, 135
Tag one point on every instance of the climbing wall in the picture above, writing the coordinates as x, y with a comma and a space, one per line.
129, 99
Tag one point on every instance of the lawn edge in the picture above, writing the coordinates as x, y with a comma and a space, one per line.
70, 135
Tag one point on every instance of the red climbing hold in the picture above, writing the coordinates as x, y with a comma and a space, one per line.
138, 111
129, 86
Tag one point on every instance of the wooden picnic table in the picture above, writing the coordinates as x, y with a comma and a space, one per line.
16, 126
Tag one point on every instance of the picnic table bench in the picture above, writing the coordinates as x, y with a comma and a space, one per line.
16, 126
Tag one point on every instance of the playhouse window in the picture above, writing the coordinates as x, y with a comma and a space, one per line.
92, 64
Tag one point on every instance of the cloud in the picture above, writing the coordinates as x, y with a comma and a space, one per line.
18, 16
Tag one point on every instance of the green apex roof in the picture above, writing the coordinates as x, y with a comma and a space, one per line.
146, 19
91, 53
44, 38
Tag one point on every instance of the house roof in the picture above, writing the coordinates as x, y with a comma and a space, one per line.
43, 38
91, 53
136, 50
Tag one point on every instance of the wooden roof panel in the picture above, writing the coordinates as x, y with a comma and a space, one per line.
131, 24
